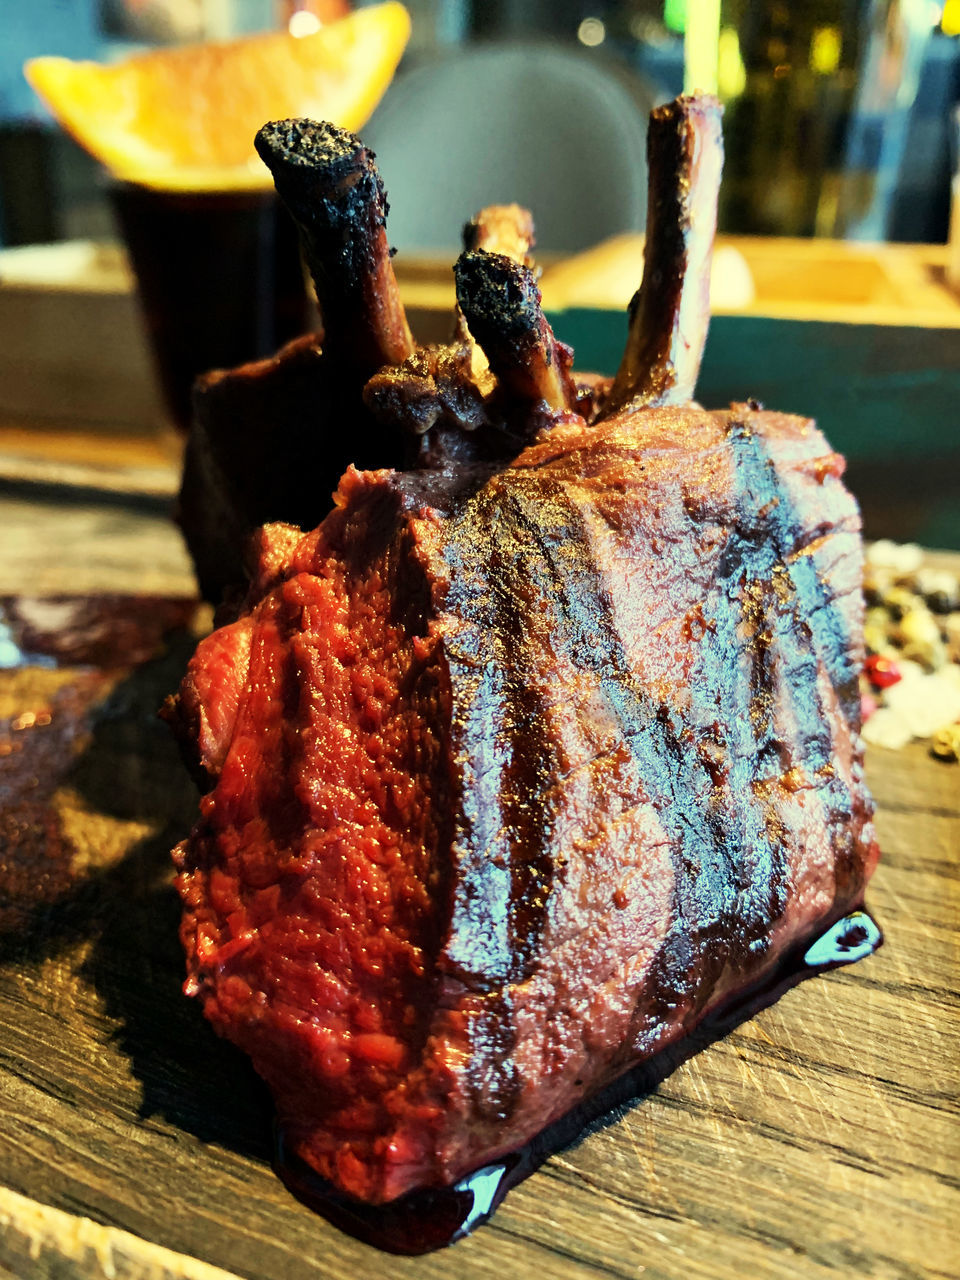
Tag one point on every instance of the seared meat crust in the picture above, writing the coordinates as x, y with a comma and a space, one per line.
529, 769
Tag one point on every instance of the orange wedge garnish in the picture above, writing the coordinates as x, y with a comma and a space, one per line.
184, 119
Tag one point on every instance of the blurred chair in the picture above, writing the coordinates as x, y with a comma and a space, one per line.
559, 131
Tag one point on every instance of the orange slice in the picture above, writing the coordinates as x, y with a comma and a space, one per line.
184, 119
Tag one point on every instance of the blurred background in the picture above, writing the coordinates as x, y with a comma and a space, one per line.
836, 291
838, 112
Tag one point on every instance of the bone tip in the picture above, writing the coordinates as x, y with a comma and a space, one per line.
510, 221
307, 144
705, 106
497, 293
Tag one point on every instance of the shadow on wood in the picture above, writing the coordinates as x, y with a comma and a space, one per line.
122, 912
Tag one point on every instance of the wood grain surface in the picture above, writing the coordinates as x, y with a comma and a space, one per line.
819, 1140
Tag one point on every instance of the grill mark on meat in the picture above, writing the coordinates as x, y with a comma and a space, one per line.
783, 661
763, 496
502, 721
784, 672
723, 891
677, 781
815, 628
539, 518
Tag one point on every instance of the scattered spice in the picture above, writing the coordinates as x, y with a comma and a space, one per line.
910, 686
945, 743
881, 672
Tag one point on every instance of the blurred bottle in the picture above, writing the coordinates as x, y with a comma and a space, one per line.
787, 73
898, 36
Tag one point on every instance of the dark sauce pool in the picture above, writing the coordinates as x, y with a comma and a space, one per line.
425, 1220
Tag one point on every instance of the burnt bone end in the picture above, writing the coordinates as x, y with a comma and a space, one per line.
307, 144
497, 295
323, 174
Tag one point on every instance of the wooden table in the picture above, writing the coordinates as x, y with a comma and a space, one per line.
818, 1140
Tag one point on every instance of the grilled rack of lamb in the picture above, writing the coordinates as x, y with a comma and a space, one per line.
542, 749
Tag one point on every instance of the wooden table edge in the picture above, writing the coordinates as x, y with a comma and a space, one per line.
33, 1235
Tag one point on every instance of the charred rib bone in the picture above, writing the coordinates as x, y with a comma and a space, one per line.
670, 312
447, 386
328, 181
500, 301
497, 228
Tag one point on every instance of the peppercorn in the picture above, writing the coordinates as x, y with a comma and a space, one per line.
900, 601
919, 634
939, 589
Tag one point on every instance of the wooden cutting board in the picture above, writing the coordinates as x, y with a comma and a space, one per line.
818, 1140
